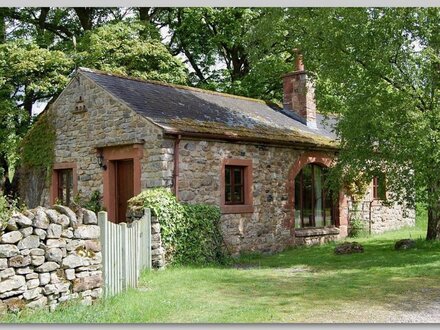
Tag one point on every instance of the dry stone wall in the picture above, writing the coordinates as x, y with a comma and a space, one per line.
48, 256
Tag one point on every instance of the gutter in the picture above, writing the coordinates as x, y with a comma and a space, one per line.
176, 166
232, 138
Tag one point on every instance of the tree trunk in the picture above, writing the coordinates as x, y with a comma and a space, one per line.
433, 232
85, 16
28, 102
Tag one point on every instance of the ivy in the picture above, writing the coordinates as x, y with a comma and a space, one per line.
190, 232
7, 208
38, 146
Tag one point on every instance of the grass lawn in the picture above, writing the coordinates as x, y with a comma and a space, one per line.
307, 284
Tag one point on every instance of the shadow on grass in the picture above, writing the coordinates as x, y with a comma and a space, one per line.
377, 253
404, 280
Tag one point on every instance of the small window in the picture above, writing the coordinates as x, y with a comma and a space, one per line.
379, 187
65, 186
234, 185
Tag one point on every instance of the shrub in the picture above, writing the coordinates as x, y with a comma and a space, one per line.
357, 228
190, 233
5, 212
94, 203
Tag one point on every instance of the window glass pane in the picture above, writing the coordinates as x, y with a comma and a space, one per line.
237, 194
238, 179
307, 196
227, 175
381, 187
319, 218
298, 205
228, 196
328, 209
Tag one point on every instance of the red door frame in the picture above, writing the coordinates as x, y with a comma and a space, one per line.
110, 154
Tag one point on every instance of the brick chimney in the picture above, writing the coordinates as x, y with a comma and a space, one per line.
299, 94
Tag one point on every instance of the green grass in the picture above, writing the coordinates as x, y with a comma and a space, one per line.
305, 284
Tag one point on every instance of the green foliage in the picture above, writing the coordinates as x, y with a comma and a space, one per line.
93, 203
190, 233
5, 212
38, 145
121, 49
357, 228
38, 73
212, 36
377, 69
12, 127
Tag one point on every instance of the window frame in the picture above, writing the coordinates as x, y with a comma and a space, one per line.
68, 183
323, 194
55, 186
247, 205
232, 185
379, 188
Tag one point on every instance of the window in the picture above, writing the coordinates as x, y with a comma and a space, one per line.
64, 183
379, 187
65, 186
314, 204
234, 184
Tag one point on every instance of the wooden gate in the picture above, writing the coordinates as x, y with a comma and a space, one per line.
126, 251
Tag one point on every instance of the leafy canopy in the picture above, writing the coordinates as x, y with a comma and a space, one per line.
121, 49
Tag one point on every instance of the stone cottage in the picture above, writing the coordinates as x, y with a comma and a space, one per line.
263, 165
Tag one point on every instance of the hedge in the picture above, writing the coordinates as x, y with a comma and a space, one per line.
190, 232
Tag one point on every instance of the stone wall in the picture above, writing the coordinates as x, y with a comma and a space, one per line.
48, 256
380, 217
265, 229
105, 122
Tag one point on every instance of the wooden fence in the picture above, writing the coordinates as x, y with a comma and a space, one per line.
126, 250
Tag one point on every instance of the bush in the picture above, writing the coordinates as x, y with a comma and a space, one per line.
94, 203
190, 232
5, 212
357, 228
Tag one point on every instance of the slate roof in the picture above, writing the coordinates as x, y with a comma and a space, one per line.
185, 109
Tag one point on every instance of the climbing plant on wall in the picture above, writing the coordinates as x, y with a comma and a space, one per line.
37, 157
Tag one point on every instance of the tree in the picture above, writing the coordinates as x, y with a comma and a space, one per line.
213, 42
122, 48
37, 56
379, 70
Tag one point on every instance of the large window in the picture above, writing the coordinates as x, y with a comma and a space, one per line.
314, 204
65, 186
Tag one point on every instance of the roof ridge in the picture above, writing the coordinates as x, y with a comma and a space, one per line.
166, 84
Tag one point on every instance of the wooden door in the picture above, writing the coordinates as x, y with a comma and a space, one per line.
124, 187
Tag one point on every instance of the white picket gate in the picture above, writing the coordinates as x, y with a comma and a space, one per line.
126, 250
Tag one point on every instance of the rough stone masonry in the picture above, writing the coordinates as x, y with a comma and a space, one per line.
48, 256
